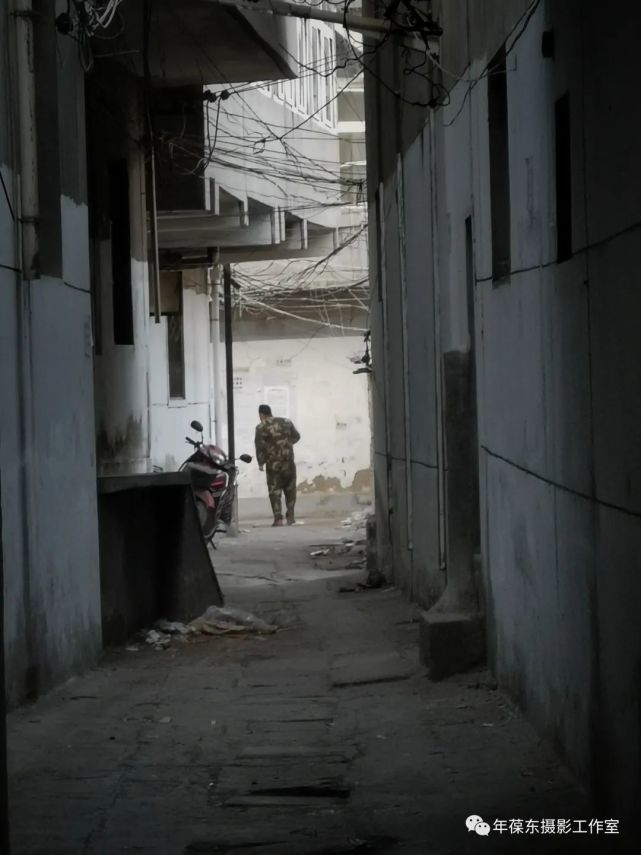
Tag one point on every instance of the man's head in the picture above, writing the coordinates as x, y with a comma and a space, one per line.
264, 412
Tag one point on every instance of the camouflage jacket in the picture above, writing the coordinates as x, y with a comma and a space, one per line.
275, 439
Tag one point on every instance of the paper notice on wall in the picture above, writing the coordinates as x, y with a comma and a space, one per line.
278, 399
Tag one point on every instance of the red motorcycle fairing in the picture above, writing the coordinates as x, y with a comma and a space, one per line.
216, 454
219, 482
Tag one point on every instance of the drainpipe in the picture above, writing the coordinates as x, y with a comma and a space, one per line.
229, 368
214, 337
229, 365
26, 85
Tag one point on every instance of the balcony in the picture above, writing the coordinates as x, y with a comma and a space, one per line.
199, 42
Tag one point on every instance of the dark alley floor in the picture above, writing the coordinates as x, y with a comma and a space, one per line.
323, 738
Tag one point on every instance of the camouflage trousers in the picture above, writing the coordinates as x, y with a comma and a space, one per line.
282, 480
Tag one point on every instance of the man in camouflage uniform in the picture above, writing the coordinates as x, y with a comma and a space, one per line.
275, 440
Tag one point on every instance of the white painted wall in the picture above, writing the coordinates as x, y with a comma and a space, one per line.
170, 418
309, 380
558, 377
122, 371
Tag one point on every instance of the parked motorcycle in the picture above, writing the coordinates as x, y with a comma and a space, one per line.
214, 480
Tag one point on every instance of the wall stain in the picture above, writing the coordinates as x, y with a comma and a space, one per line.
110, 446
362, 483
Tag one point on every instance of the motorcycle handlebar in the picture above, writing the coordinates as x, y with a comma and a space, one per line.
191, 441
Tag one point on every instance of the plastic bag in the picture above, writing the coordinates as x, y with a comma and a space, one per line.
223, 620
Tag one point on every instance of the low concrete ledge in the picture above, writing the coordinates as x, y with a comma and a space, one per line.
451, 643
154, 562
118, 483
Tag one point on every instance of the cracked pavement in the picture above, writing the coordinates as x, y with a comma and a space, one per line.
326, 737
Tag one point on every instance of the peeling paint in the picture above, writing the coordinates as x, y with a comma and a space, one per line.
320, 484
362, 483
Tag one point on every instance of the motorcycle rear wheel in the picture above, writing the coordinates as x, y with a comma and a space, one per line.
207, 519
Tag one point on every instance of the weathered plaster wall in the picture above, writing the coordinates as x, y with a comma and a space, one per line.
558, 377
170, 418
121, 370
50, 541
305, 373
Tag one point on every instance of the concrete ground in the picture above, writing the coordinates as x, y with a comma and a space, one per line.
325, 737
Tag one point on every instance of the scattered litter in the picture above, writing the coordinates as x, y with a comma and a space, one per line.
132, 649
158, 640
487, 724
374, 580
358, 519
227, 620
319, 552
216, 620
165, 719
213, 722
172, 627
358, 564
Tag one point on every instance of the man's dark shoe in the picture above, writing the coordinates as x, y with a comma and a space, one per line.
291, 521
277, 521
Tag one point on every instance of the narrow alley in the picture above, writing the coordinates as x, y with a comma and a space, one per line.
325, 737
342, 296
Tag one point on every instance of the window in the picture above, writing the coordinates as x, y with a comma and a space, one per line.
315, 77
302, 61
170, 293
499, 166
289, 93
327, 80
176, 352
563, 179
123, 315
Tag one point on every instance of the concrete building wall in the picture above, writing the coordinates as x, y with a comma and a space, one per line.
50, 542
557, 365
304, 373
290, 170
115, 128
171, 417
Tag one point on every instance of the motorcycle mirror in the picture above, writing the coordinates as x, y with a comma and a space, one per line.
197, 426
246, 458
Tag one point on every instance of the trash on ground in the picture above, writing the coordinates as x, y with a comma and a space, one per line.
165, 719
318, 552
132, 649
225, 620
217, 620
358, 519
173, 627
373, 580
158, 640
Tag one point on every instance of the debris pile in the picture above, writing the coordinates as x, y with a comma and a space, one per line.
226, 620
358, 520
355, 549
216, 620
